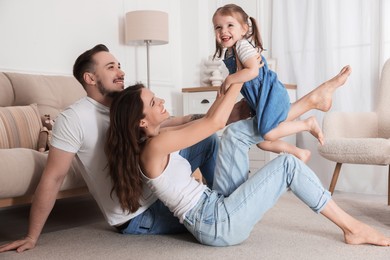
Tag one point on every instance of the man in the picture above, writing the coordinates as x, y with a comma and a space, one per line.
79, 132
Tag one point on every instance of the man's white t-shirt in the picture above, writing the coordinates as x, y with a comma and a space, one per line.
81, 129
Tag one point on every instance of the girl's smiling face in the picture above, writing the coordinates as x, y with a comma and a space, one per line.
228, 30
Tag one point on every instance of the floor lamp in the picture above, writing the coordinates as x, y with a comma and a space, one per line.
146, 27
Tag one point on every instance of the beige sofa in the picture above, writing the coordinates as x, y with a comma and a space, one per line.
21, 164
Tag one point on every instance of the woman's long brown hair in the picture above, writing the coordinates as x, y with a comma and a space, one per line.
122, 146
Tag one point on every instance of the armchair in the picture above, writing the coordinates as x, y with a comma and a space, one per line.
360, 137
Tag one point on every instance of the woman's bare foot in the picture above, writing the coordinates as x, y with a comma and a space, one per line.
315, 129
321, 97
364, 234
355, 232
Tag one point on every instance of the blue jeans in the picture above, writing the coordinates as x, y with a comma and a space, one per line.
227, 215
157, 219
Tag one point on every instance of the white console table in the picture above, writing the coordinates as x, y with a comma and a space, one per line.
197, 100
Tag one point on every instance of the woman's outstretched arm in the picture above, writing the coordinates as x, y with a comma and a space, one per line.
215, 119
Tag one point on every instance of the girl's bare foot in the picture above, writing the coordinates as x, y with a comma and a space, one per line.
303, 154
280, 146
315, 129
321, 97
364, 234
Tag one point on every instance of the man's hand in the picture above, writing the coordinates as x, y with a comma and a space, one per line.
240, 111
19, 245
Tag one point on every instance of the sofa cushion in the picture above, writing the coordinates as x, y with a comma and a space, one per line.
51, 93
21, 170
19, 127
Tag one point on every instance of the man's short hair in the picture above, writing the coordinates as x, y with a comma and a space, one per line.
85, 63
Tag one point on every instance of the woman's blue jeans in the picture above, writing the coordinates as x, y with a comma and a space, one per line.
227, 215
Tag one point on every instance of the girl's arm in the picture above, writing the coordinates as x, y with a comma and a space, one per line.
246, 72
249, 71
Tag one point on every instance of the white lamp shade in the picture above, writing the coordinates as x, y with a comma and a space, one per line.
151, 26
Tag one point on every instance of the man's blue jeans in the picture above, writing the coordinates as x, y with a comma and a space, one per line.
157, 219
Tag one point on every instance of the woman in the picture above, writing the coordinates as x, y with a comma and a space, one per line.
141, 153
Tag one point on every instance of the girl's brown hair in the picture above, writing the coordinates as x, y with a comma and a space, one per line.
242, 17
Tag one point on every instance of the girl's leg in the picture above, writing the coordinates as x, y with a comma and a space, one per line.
355, 232
321, 97
280, 146
239, 136
292, 127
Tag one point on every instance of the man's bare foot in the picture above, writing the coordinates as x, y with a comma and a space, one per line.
315, 129
321, 97
364, 234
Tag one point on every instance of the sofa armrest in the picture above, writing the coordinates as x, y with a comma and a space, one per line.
350, 125
27, 199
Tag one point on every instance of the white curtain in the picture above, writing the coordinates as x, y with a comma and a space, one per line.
312, 41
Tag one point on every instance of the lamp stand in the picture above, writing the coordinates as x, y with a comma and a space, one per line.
147, 42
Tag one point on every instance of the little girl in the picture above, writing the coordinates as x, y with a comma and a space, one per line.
237, 34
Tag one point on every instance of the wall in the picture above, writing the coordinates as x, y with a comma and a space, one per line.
46, 36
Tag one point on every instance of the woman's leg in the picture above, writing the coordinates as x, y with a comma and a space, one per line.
230, 220
355, 232
232, 166
236, 215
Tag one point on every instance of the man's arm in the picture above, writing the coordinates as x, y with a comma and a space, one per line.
176, 121
240, 111
57, 166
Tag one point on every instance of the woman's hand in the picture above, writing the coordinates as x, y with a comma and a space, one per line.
225, 85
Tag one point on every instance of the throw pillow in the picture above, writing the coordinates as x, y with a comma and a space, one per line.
19, 127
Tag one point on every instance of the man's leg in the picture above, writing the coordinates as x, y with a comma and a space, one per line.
157, 219
203, 155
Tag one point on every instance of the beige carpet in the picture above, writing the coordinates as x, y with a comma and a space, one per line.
76, 230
